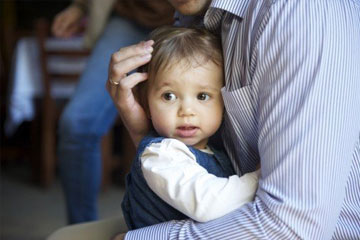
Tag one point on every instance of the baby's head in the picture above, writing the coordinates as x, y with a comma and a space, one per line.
182, 95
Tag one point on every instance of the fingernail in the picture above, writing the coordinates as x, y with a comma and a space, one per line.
149, 43
149, 49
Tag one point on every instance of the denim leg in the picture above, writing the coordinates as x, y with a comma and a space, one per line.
87, 117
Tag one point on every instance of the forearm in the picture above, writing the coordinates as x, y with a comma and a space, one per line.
135, 135
253, 221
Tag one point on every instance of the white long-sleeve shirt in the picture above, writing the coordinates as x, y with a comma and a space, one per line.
171, 171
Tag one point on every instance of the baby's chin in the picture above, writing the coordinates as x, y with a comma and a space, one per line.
193, 143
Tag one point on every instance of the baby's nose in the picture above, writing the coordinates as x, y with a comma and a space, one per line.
186, 109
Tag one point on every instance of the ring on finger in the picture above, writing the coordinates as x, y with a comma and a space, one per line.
113, 82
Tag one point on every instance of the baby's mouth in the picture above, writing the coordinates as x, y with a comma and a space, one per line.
186, 131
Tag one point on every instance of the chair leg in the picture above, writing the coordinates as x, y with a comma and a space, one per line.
48, 144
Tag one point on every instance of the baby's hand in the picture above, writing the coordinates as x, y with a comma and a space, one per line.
120, 85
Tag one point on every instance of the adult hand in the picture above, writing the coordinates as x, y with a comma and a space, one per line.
120, 85
67, 22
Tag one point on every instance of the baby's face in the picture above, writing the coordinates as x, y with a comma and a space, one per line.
185, 102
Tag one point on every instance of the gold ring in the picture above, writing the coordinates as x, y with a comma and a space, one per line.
113, 83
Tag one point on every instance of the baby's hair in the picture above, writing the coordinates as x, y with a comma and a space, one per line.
174, 44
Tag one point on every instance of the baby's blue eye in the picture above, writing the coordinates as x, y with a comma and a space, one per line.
169, 96
203, 96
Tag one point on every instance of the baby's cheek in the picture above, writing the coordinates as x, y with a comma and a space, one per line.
215, 122
161, 125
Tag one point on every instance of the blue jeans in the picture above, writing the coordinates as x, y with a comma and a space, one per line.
87, 117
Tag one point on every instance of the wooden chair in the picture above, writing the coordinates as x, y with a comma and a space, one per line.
50, 110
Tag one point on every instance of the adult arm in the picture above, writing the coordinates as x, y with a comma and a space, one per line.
307, 71
171, 171
122, 86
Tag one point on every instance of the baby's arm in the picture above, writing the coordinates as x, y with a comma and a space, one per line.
172, 172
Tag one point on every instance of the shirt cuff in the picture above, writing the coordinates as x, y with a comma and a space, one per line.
155, 232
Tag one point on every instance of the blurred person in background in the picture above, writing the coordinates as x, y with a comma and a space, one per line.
111, 25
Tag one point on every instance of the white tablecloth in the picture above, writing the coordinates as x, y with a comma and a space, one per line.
26, 81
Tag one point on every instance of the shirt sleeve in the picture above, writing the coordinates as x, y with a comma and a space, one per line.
307, 73
171, 171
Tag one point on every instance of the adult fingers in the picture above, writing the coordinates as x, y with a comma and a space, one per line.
66, 22
118, 70
62, 25
132, 80
57, 27
71, 30
139, 49
123, 90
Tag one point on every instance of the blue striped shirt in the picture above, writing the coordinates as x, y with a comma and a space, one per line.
292, 99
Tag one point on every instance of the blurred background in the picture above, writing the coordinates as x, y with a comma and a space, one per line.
31, 200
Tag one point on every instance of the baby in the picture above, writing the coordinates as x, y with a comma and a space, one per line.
177, 174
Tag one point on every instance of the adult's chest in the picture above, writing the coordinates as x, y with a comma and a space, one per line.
240, 94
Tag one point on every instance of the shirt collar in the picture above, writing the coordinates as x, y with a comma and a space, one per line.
217, 8
214, 13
